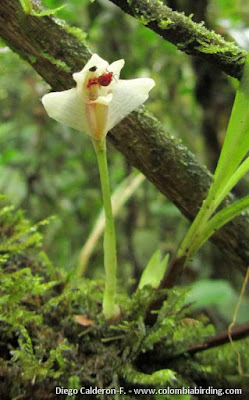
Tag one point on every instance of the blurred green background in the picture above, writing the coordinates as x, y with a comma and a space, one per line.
50, 170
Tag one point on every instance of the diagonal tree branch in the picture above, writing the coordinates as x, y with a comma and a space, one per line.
191, 37
56, 51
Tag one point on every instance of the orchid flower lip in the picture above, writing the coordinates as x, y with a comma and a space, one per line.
100, 99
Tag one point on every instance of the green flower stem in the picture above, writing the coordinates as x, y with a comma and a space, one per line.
110, 310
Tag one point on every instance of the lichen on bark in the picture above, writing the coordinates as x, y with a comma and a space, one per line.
188, 36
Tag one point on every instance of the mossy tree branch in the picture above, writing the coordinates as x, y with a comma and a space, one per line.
188, 36
55, 51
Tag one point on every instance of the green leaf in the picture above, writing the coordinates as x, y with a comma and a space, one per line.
154, 271
227, 174
208, 292
236, 143
235, 178
220, 219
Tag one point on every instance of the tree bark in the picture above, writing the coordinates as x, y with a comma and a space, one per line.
55, 51
188, 36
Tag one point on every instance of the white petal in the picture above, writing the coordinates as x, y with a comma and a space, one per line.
80, 79
105, 100
96, 61
67, 107
116, 67
127, 96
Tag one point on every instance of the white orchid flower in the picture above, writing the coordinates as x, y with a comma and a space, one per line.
100, 99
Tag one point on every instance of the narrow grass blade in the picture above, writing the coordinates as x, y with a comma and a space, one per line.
220, 219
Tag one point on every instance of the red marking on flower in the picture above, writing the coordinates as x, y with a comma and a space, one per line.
105, 79
92, 81
102, 80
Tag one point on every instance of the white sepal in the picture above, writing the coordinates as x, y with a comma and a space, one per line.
67, 107
96, 61
116, 67
127, 96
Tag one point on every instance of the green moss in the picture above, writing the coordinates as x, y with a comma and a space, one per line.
61, 64
143, 20
209, 48
32, 59
47, 12
164, 24
44, 345
27, 6
161, 377
76, 32
144, 12
191, 37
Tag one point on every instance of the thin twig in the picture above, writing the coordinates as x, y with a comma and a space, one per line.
230, 327
238, 333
